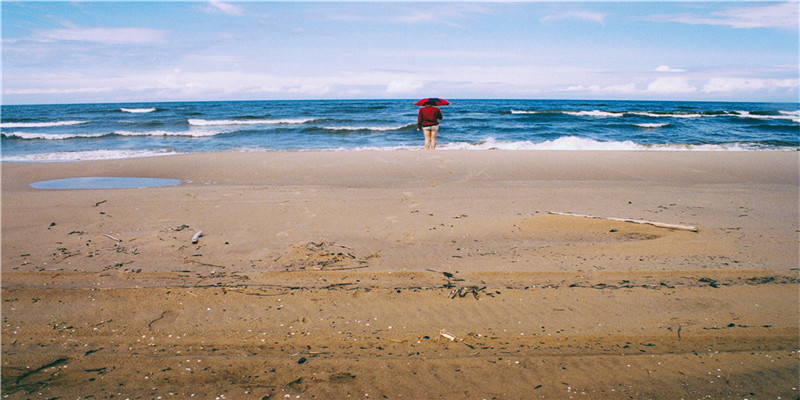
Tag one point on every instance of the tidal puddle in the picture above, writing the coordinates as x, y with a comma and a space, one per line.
97, 182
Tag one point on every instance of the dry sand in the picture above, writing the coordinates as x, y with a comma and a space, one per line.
405, 275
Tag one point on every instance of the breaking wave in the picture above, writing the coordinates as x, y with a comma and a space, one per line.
203, 122
138, 110
88, 155
577, 143
40, 124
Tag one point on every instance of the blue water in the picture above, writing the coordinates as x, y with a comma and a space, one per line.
103, 131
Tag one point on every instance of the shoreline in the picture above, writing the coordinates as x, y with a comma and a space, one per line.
448, 147
405, 274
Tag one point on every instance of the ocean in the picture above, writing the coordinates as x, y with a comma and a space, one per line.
109, 131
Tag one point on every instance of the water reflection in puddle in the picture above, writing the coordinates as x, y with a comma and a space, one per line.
96, 182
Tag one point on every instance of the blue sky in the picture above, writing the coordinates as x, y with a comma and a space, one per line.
75, 52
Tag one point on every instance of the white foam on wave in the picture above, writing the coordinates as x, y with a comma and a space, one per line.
576, 143
670, 115
51, 136
138, 110
595, 113
652, 126
65, 136
785, 115
203, 122
40, 124
88, 155
365, 128
189, 133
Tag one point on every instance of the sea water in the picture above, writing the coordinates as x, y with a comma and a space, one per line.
106, 131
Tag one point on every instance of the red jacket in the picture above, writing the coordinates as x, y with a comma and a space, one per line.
428, 116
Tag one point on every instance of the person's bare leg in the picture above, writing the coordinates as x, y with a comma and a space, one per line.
433, 140
427, 133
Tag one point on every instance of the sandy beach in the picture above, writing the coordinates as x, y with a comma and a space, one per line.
405, 275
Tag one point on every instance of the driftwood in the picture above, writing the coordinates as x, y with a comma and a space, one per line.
634, 221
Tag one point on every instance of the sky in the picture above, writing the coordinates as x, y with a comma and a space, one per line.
147, 51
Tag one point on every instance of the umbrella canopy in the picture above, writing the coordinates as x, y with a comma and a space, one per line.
433, 101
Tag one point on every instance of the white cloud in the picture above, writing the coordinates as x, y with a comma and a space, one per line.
780, 15
629, 88
52, 91
309, 89
404, 86
732, 85
669, 86
667, 68
225, 8
102, 35
579, 15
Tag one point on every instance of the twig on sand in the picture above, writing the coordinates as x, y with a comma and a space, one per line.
635, 221
187, 259
111, 237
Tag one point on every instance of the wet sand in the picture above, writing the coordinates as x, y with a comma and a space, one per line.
405, 274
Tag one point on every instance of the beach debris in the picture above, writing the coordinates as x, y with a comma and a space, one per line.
100, 202
196, 236
465, 290
447, 335
112, 237
56, 363
634, 221
297, 385
322, 256
711, 282
453, 338
341, 377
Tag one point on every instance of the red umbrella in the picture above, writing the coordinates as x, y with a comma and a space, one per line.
434, 101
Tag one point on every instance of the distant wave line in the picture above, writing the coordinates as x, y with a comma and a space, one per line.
781, 115
66, 136
577, 143
138, 110
652, 126
368, 128
63, 156
203, 122
40, 124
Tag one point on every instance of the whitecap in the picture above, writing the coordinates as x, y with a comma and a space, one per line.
88, 155
203, 122
571, 143
190, 133
595, 113
785, 115
40, 124
51, 136
670, 115
652, 126
138, 110
365, 128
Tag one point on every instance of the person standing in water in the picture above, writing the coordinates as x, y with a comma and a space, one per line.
428, 121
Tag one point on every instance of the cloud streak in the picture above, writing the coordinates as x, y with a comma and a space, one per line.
577, 15
667, 68
101, 35
215, 6
781, 15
